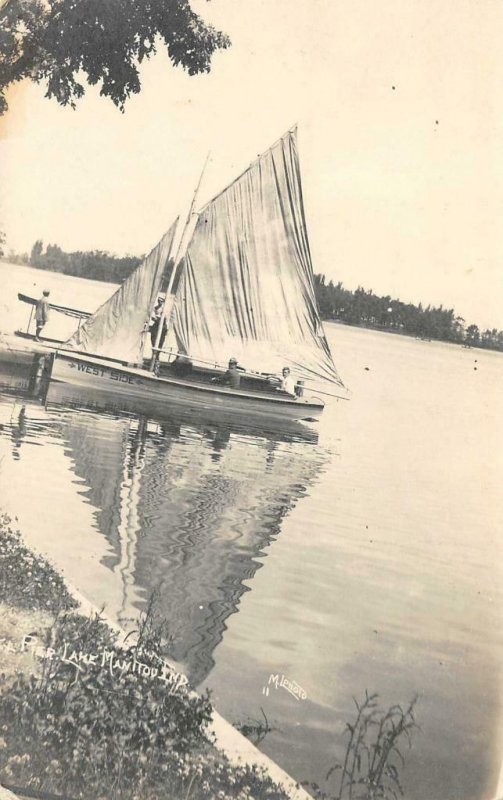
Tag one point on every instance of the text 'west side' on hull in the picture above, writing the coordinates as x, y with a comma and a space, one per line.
106, 376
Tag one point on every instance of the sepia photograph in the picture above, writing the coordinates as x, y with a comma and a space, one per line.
251, 392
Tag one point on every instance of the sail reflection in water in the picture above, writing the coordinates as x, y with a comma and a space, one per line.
187, 506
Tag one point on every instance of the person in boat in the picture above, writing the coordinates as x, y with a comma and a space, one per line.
232, 376
42, 313
182, 366
155, 321
288, 382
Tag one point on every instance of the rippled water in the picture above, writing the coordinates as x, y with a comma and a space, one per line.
360, 552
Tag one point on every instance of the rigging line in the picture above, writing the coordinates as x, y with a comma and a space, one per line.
245, 373
315, 391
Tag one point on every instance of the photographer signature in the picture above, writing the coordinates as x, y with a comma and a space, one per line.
282, 682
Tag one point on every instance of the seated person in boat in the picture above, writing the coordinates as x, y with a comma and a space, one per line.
232, 377
182, 366
288, 382
42, 312
155, 321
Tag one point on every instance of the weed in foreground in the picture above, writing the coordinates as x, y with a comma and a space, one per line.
371, 766
255, 729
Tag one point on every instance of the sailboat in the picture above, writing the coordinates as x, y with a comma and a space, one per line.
238, 283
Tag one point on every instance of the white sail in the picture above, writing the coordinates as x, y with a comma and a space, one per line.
247, 285
116, 329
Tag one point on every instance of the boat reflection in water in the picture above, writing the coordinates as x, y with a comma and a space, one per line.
188, 505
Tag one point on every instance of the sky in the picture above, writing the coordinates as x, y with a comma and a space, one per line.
399, 106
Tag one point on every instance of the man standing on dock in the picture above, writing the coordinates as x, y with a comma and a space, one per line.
42, 313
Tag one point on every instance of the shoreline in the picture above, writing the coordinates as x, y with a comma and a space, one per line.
377, 329
55, 633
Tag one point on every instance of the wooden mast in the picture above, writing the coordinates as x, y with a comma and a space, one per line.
178, 255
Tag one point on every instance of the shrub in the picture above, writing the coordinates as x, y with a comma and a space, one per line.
28, 580
109, 730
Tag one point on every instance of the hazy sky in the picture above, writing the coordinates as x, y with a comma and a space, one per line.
400, 112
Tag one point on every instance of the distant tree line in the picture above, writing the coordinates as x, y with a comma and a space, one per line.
363, 307
359, 307
97, 264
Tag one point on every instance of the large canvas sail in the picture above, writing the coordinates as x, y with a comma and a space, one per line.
247, 286
116, 329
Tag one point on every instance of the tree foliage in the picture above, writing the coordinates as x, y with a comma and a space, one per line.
363, 307
96, 264
36, 252
58, 41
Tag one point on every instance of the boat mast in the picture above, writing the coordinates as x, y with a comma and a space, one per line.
175, 265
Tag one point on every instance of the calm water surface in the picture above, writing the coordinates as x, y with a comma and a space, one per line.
360, 552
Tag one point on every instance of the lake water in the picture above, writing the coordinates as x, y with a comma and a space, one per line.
360, 552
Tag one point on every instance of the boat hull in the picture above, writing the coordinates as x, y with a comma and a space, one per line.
95, 373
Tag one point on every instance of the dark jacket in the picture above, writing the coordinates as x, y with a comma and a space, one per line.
232, 377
